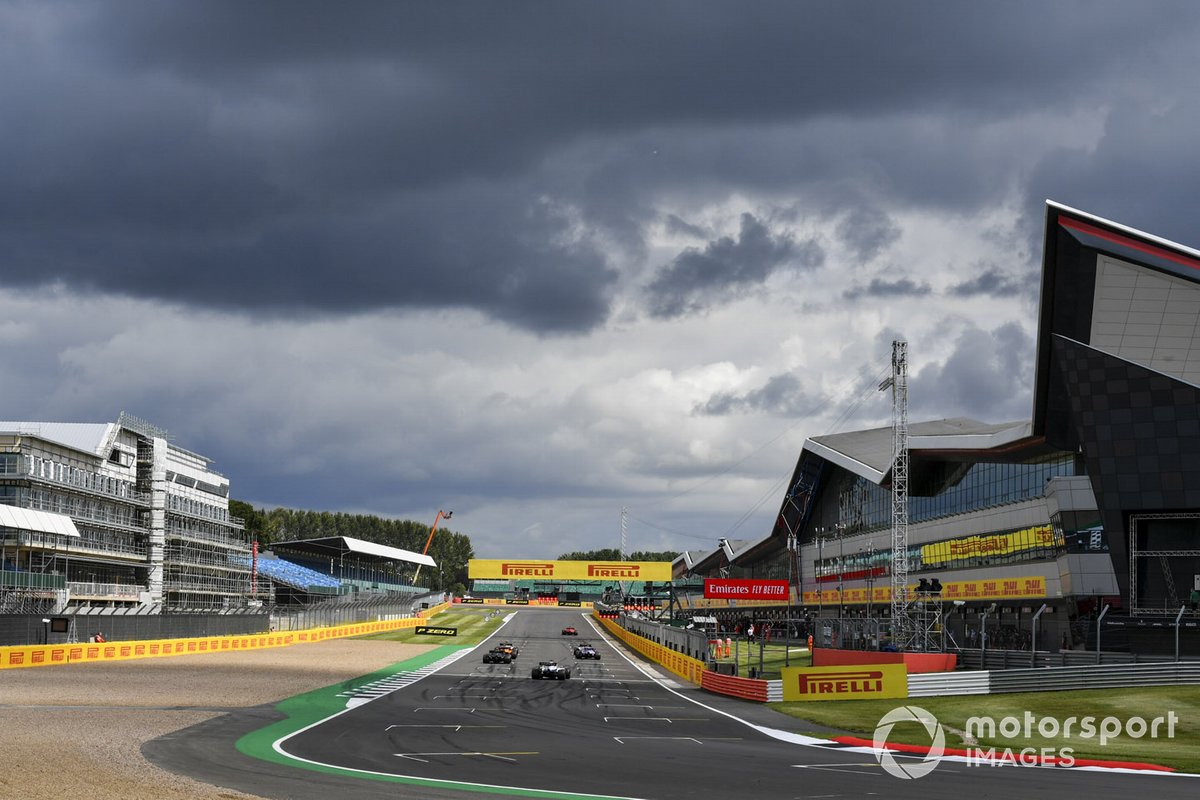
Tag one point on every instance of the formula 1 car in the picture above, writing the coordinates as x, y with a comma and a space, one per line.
509, 648
586, 651
570, 632
551, 671
497, 655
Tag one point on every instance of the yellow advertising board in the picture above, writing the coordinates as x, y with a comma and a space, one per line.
536, 569
985, 589
847, 682
969, 547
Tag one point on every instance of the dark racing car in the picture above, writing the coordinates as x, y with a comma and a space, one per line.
586, 651
497, 655
551, 670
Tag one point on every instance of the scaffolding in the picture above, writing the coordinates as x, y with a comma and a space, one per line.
1156, 594
906, 626
201, 568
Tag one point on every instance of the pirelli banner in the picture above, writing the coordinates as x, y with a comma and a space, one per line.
532, 569
849, 682
966, 548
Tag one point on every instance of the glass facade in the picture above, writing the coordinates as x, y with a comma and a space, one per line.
867, 507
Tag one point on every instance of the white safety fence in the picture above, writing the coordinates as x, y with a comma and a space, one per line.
1050, 679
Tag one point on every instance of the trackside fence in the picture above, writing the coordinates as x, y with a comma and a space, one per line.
692, 669
63, 654
1051, 679
1044, 679
686, 667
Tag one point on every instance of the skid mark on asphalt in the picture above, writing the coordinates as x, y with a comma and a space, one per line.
375, 689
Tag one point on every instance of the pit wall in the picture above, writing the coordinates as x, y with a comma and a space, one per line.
58, 654
690, 669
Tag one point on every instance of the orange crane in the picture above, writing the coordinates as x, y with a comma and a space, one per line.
441, 515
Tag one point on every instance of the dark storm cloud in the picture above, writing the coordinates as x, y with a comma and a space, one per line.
867, 231
782, 394
904, 287
726, 268
993, 283
987, 377
1143, 173
677, 226
360, 156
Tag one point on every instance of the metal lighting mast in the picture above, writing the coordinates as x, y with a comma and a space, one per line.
904, 633
624, 531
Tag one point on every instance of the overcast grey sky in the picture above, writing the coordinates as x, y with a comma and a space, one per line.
534, 262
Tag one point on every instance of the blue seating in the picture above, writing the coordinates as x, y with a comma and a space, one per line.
294, 575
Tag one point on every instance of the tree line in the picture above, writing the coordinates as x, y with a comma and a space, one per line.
613, 554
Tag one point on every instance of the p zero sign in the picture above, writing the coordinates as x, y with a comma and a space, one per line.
721, 589
429, 630
849, 682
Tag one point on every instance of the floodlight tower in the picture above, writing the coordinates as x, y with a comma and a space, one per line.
904, 634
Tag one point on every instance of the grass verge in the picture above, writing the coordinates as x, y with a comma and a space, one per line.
774, 657
1180, 749
473, 627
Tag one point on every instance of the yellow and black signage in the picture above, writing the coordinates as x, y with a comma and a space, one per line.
476, 600
429, 630
570, 603
511, 602
526, 569
849, 682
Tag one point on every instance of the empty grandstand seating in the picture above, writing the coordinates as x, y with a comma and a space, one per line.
293, 575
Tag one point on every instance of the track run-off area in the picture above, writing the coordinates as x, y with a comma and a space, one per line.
446, 725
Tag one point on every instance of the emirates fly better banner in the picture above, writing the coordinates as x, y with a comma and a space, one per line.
723, 589
534, 569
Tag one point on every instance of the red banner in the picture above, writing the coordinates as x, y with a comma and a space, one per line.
726, 589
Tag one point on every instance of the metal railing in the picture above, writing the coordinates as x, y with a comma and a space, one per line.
345, 610
691, 642
1053, 679
91, 589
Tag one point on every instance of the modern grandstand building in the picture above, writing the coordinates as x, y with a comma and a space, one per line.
115, 524
114, 514
1093, 502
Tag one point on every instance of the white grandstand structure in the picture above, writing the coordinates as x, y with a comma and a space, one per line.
116, 515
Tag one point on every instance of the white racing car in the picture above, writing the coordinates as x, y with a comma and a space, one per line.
551, 670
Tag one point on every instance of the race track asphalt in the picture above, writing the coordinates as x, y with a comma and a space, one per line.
616, 728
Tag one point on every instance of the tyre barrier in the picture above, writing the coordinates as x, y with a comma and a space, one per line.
743, 688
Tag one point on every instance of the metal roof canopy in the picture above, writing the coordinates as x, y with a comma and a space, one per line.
346, 545
26, 519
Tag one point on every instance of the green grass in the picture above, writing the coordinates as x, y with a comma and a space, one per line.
473, 627
773, 658
1182, 752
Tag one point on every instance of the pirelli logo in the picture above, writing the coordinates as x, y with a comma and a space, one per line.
525, 569
614, 570
867, 680
849, 682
